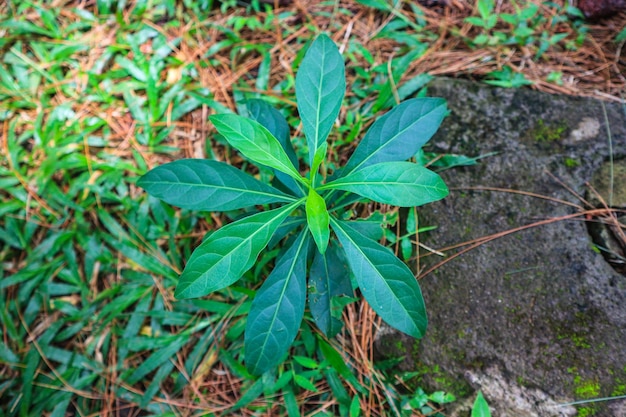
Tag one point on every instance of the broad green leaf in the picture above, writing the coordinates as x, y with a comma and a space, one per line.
318, 220
328, 277
402, 184
277, 310
480, 408
399, 134
385, 281
276, 124
229, 252
255, 142
199, 184
319, 157
320, 87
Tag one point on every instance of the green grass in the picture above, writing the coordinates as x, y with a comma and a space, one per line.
93, 96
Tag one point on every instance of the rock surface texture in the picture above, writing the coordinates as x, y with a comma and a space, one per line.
536, 318
594, 9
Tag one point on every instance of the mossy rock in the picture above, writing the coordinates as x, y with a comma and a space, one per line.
534, 318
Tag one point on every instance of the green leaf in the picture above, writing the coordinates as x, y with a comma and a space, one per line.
399, 134
275, 122
306, 362
199, 184
318, 220
277, 310
376, 4
320, 87
304, 383
131, 68
480, 408
156, 383
442, 397
355, 407
251, 394
318, 158
291, 403
328, 278
403, 184
255, 142
228, 253
485, 8
385, 281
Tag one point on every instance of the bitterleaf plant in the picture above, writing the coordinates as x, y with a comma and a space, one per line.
377, 170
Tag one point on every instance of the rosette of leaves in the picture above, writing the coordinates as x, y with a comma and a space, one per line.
321, 245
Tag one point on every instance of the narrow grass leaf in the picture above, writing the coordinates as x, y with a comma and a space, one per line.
28, 376
60, 409
7, 355
320, 87
131, 68
304, 383
385, 281
399, 134
282, 381
134, 323
355, 407
198, 184
291, 403
376, 4
328, 277
229, 252
19, 27
403, 184
306, 362
157, 359
277, 310
251, 394
155, 384
255, 142
337, 388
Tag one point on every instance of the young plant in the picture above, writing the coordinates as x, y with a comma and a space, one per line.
305, 208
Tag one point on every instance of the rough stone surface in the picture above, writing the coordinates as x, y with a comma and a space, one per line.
594, 9
535, 318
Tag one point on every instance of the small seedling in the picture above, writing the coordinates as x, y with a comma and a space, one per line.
480, 407
305, 208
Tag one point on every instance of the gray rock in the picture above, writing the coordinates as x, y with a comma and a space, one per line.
535, 318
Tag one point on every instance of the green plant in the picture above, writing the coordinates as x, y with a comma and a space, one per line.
307, 207
480, 407
507, 78
526, 27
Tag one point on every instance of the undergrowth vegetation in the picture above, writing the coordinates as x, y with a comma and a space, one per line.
94, 94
